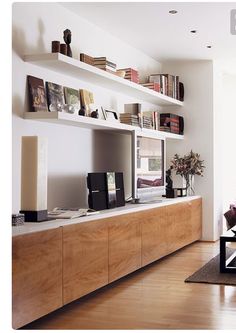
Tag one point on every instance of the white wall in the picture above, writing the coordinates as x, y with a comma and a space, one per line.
198, 115
228, 139
72, 151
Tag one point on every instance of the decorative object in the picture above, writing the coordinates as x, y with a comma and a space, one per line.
69, 108
37, 94
86, 98
210, 273
55, 96
67, 39
55, 46
72, 96
170, 191
103, 113
111, 115
230, 216
34, 178
63, 49
188, 166
17, 219
181, 191
82, 111
94, 114
181, 91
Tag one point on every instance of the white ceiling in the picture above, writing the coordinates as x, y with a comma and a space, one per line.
150, 28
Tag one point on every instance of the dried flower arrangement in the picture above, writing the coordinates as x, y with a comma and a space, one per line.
188, 166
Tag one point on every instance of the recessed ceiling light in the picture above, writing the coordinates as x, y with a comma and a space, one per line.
209, 46
173, 11
193, 31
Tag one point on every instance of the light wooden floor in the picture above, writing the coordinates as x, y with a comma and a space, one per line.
154, 297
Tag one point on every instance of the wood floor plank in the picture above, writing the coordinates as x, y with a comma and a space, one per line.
154, 297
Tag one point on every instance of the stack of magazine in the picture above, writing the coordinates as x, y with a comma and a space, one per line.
71, 213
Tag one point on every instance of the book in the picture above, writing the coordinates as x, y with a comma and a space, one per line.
72, 96
63, 213
37, 94
107, 63
87, 59
105, 67
102, 61
86, 98
55, 94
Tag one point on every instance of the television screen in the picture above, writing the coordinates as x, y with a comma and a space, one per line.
148, 167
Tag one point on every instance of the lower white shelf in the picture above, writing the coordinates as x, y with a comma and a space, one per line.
95, 124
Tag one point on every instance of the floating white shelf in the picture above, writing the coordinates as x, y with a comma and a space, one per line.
95, 124
75, 68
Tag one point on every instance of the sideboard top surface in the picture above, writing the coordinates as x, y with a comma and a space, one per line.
29, 227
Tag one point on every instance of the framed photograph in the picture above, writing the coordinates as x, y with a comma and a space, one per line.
111, 115
103, 113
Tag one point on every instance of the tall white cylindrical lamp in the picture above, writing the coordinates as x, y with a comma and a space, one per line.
34, 178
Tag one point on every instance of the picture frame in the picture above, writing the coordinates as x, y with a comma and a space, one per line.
103, 113
111, 115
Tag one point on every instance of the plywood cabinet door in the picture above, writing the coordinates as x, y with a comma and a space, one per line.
85, 258
196, 219
179, 230
37, 275
154, 235
124, 245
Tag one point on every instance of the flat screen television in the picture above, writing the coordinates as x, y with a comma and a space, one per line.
148, 164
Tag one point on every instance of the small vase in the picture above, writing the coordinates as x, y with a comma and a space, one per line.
190, 186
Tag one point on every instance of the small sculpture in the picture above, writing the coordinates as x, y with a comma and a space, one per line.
94, 114
67, 39
82, 111
169, 181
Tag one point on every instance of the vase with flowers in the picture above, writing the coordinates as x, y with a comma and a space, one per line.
188, 166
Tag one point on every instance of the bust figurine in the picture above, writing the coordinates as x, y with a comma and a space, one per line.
67, 39
169, 181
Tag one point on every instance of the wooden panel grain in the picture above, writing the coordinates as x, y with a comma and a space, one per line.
124, 245
154, 235
196, 219
179, 231
85, 258
36, 275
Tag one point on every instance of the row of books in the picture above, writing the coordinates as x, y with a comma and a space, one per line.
172, 123
165, 84
166, 122
109, 66
131, 74
168, 84
134, 116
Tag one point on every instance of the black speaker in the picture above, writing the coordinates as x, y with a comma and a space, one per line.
181, 125
97, 200
120, 194
181, 91
100, 197
97, 185
97, 181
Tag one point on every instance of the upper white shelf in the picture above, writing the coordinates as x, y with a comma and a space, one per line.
95, 124
75, 68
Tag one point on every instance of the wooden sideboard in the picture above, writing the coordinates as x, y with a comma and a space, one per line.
54, 267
